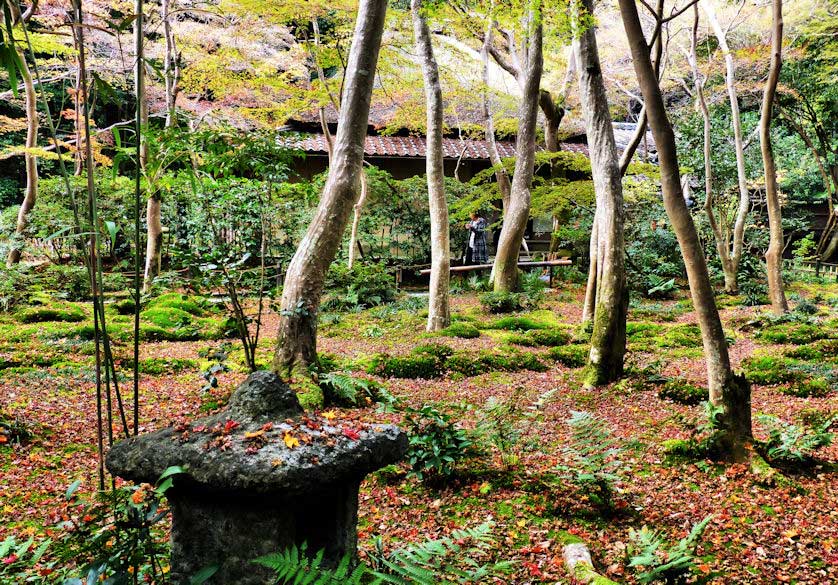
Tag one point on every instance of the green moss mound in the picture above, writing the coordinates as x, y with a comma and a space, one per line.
542, 337
679, 336
642, 330
811, 388
193, 305
682, 392
572, 356
412, 366
56, 311
517, 324
793, 333
470, 364
824, 349
768, 370
462, 330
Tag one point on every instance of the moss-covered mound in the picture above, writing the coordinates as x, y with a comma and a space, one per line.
55, 311
682, 392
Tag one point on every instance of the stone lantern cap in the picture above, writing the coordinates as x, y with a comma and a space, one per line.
263, 443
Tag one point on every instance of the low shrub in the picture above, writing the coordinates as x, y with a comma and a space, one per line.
436, 443
14, 430
363, 285
680, 391
815, 417
502, 302
657, 560
572, 356
461, 330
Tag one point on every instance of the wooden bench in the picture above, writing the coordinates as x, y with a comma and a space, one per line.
523, 265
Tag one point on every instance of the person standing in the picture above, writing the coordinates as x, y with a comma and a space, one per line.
476, 251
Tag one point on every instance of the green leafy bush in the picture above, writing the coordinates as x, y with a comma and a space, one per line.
808, 388
655, 559
796, 334
364, 285
436, 443
20, 561
594, 459
682, 392
502, 302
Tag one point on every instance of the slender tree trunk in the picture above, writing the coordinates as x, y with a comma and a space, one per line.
356, 221
31, 163
297, 337
501, 176
439, 312
735, 256
722, 242
171, 70
608, 339
505, 269
727, 390
593, 271
774, 255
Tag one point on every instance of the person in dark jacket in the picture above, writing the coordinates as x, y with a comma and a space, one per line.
476, 249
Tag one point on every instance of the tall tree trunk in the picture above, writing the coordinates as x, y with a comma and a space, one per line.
501, 176
439, 312
154, 225
608, 340
505, 269
722, 240
297, 337
731, 268
31, 162
774, 255
727, 390
171, 69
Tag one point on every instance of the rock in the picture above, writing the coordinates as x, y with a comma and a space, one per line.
259, 477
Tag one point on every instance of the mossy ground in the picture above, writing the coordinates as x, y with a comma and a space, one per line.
46, 378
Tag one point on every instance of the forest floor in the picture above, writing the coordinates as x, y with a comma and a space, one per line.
786, 532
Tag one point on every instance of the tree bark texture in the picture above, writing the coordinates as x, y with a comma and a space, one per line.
297, 335
774, 255
730, 392
154, 242
731, 269
439, 312
721, 236
501, 176
171, 69
608, 339
505, 269
31, 161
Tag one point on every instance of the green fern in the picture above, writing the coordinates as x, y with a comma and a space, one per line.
790, 443
434, 562
347, 390
671, 565
294, 567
